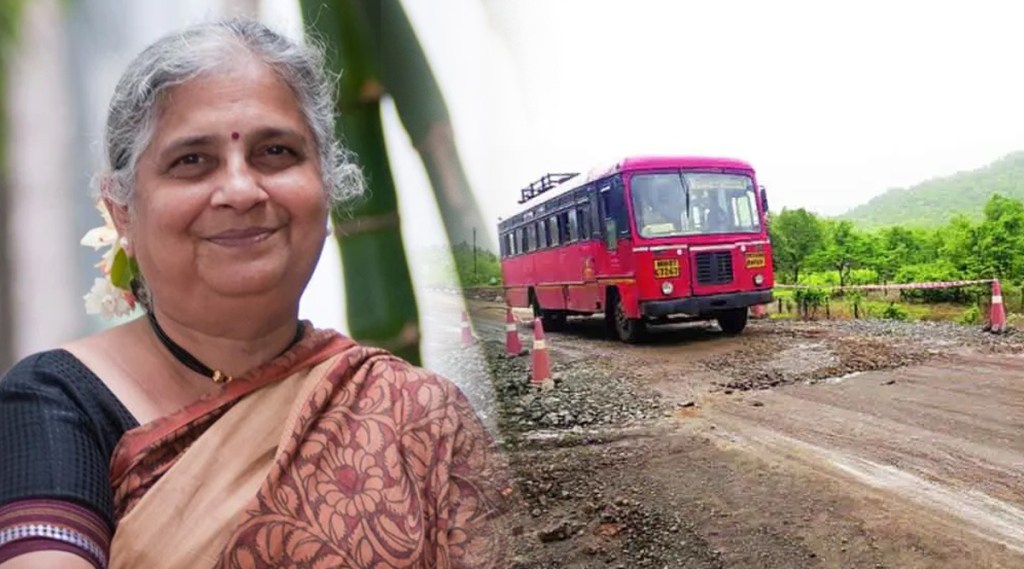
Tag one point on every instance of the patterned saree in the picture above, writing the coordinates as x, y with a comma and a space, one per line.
332, 455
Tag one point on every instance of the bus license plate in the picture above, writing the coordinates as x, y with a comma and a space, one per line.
665, 268
755, 260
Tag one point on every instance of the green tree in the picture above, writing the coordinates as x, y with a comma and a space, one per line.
796, 234
845, 249
1000, 239
958, 245
899, 246
476, 266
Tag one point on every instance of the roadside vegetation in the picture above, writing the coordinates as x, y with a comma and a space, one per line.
826, 254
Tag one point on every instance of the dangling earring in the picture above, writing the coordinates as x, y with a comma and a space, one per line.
124, 245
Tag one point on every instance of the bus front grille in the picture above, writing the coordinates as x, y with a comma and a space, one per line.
714, 268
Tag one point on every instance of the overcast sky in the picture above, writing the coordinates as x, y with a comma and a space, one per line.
832, 102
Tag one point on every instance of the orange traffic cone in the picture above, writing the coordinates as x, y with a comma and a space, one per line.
467, 332
513, 347
758, 312
541, 375
997, 314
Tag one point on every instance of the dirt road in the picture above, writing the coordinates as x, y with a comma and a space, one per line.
824, 444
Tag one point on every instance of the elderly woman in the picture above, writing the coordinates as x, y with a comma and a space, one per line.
219, 431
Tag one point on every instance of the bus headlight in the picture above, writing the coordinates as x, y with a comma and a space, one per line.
758, 279
667, 288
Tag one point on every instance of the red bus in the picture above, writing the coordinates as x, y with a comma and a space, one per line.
650, 240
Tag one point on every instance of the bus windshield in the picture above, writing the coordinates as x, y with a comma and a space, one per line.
694, 203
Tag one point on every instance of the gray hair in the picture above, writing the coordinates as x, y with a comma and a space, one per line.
182, 56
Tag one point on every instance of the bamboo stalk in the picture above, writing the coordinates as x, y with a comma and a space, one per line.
379, 293
408, 78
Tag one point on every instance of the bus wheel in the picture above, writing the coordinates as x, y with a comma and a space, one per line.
733, 321
553, 320
629, 330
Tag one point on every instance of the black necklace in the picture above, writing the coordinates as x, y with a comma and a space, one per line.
190, 361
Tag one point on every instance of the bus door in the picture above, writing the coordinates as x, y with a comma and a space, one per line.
615, 228
617, 265
587, 296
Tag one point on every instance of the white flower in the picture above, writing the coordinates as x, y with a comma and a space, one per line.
100, 237
107, 300
104, 235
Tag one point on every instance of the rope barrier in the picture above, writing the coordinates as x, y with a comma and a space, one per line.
897, 286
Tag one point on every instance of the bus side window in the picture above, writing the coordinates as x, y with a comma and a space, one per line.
573, 227
562, 223
595, 217
556, 237
583, 217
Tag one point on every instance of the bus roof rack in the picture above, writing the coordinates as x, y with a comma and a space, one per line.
545, 183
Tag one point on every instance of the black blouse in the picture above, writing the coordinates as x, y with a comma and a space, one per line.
59, 424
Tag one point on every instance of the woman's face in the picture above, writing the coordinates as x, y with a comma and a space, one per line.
228, 197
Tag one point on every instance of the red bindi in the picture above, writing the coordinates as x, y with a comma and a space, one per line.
234, 136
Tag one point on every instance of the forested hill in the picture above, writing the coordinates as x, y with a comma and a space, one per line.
935, 202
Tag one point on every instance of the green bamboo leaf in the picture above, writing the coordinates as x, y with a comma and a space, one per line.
380, 299
408, 78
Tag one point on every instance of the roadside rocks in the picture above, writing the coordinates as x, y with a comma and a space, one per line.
581, 516
560, 531
942, 335
810, 352
584, 395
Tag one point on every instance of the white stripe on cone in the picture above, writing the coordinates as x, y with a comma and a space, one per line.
510, 327
540, 344
998, 299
